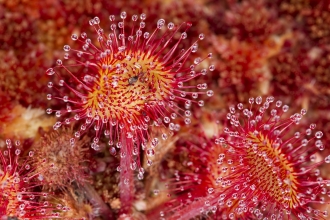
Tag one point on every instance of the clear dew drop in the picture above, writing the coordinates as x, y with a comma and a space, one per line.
96, 20
319, 134
210, 190
150, 152
72, 141
59, 62
50, 71
74, 37
197, 60
123, 15
327, 159
211, 67
17, 152
160, 23
133, 165
285, 108
154, 142
140, 176
31, 153
312, 126
91, 22
187, 121
210, 93
61, 82
258, 100
170, 26
167, 119
156, 191
83, 35
120, 25
134, 18
66, 48
146, 35
58, 113
164, 136
112, 17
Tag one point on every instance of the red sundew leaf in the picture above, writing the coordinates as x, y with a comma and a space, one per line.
125, 82
18, 181
60, 159
262, 166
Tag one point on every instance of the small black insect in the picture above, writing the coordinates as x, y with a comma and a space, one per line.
133, 80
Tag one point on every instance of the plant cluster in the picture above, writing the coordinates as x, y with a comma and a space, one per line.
119, 110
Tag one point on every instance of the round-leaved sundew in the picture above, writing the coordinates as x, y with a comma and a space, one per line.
127, 80
60, 159
264, 166
275, 167
18, 179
